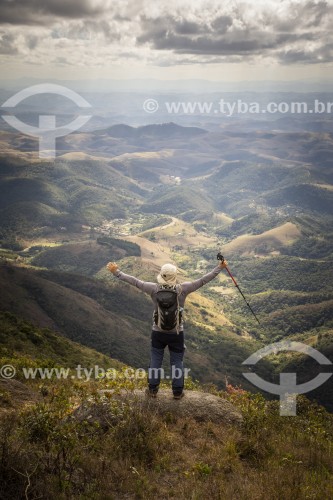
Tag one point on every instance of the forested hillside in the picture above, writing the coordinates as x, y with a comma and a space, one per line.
144, 196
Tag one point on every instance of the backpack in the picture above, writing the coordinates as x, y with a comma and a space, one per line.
168, 313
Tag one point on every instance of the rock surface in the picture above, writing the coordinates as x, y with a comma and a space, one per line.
201, 406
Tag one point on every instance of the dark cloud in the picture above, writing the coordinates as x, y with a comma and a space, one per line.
184, 27
156, 31
221, 24
281, 33
216, 40
322, 55
44, 12
210, 46
296, 56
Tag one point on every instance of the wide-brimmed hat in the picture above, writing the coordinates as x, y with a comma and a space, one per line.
167, 275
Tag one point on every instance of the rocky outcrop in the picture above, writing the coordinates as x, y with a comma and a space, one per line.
201, 406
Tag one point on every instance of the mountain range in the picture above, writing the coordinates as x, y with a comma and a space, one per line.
139, 195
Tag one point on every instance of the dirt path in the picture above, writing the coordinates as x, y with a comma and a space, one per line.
159, 228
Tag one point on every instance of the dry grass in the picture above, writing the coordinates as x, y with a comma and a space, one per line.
179, 233
142, 455
281, 236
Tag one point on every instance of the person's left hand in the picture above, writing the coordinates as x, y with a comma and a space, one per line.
223, 264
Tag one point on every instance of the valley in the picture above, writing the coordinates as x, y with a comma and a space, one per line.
165, 193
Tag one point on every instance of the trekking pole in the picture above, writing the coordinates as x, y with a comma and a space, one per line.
221, 258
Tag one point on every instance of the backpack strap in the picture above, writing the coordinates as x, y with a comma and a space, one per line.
179, 291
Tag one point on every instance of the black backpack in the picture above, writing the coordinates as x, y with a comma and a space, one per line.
168, 314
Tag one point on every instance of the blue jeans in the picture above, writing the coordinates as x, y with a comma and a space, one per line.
175, 343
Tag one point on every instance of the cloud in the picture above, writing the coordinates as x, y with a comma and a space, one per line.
87, 30
45, 12
163, 36
287, 31
7, 44
32, 41
322, 55
167, 32
222, 23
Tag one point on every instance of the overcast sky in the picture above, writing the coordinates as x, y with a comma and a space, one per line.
167, 39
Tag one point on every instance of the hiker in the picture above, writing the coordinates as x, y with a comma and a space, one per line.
168, 327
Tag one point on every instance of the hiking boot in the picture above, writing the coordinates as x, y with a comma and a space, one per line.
152, 393
178, 395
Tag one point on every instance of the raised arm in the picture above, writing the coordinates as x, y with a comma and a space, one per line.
145, 286
192, 286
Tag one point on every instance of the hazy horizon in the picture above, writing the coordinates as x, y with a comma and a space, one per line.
191, 85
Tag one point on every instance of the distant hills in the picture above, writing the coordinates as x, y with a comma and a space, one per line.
162, 131
263, 197
277, 171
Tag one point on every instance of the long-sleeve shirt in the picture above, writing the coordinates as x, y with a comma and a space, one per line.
185, 289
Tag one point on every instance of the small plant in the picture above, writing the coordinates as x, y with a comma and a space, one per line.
203, 469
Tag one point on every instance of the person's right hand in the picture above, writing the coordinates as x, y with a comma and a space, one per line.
112, 267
